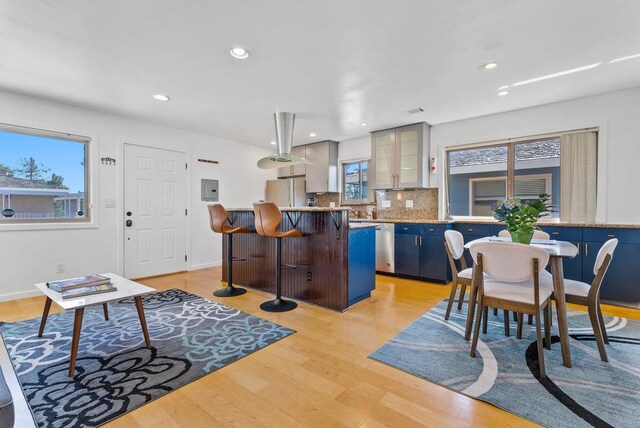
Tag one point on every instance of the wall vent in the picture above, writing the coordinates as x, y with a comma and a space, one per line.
413, 111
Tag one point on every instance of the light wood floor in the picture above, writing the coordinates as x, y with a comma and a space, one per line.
319, 376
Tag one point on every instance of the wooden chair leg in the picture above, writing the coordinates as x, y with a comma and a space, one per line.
603, 328
540, 347
476, 331
470, 311
597, 332
547, 325
530, 319
519, 329
495, 312
506, 323
452, 297
515, 317
463, 290
484, 319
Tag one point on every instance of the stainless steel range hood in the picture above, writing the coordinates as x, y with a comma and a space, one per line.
284, 122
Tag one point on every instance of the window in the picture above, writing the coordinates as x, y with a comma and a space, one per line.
43, 176
355, 185
479, 176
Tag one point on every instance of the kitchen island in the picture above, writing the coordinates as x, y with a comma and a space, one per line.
335, 263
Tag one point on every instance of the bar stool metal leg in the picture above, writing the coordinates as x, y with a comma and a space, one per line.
230, 290
278, 304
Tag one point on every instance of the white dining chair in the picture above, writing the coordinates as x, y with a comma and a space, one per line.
514, 285
537, 234
588, 295
454, 246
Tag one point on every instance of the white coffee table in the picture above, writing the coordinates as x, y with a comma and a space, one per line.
126, 289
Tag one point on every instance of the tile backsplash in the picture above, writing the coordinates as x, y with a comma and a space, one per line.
392, 204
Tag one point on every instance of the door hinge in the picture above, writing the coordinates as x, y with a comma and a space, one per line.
186, 165
185, 212
185, 257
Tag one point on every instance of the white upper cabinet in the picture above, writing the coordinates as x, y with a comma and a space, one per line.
322, 176
400, 157
294, 170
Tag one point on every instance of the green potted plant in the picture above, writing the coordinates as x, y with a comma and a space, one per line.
522, 218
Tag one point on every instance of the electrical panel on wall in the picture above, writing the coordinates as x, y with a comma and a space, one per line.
209, 190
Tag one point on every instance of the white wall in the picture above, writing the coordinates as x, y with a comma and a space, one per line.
617, 114
30, 256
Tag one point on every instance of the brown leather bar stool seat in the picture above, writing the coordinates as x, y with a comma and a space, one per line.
218, 219
268, 218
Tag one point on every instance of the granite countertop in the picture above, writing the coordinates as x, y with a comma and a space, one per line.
359, 225
542, 225
392, 220
299, 209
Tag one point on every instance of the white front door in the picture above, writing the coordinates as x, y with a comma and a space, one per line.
154, 211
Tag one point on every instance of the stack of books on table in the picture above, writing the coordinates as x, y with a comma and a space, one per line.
82, 286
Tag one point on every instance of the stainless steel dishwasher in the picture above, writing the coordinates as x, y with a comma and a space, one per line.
385, 233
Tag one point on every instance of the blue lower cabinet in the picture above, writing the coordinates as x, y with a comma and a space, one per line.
362, 264
622, 280
407, 254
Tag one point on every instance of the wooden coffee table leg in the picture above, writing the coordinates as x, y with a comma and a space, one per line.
106, 311
77, 326
45, 315
143, 322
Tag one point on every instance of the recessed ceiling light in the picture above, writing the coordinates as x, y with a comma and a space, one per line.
363, 124
239, 53
490, 65
313, 134
503, 93
273, 143
161, 97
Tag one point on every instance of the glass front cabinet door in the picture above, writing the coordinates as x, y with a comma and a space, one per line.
400, 157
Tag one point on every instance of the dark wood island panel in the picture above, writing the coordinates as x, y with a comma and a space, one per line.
321, 256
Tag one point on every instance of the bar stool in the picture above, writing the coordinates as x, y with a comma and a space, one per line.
218, 218
268, 217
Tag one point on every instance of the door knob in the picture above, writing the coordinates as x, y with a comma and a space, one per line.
129, 223
128, 213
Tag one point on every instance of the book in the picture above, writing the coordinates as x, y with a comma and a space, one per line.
88, 291
81, 281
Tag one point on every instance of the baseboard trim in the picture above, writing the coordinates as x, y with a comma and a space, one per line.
19, 295
204, 265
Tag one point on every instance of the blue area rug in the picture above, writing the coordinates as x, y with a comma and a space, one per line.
115, 373
505, 370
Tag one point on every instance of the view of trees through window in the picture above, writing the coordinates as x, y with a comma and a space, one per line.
356, 186
41, 177
478, 177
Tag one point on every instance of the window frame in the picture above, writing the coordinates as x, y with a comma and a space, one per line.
88, 220
548, 177
511, 143
344, 181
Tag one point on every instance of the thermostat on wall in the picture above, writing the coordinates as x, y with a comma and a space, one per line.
209, 190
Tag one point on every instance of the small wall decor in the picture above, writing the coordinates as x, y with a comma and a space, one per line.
108, 161
208, 161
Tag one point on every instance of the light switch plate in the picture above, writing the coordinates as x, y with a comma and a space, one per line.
409, 203
386, 204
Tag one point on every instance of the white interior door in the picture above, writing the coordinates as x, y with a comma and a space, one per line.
154, 211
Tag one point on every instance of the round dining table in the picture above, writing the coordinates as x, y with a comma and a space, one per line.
558, 251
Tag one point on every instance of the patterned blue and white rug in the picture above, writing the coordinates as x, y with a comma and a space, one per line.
115, 373
505, 373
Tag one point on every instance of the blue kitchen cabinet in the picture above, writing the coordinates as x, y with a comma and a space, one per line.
407, 253
419, 251
622, 281
572, 267
472, 231
362, 263
433, 258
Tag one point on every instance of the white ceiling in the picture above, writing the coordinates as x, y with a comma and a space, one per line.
335, 63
